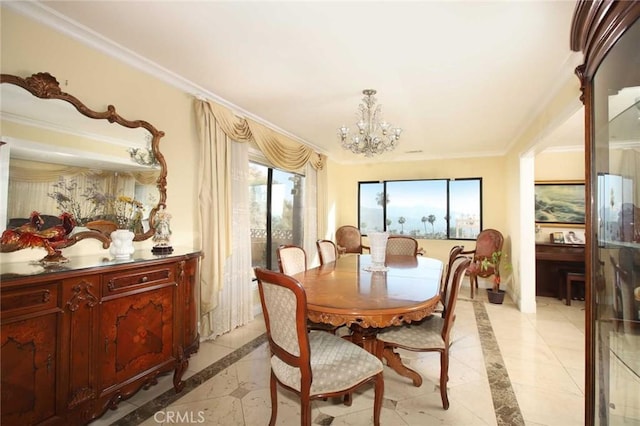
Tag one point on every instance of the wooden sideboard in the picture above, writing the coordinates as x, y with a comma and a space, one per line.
552, 262
80, 337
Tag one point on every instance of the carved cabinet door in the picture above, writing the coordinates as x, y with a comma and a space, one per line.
190, 271
136, 335
28, 354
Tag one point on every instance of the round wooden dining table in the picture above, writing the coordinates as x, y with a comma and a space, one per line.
348, 292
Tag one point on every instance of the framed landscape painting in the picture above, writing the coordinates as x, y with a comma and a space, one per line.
560, 203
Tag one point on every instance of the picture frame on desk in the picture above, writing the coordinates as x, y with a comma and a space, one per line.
560, 203
574, 237
567, 237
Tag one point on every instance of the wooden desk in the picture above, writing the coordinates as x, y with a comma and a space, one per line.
552, 261
345, 293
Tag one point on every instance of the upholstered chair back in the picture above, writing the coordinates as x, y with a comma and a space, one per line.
327, 251
488, 241
458, 269
448, 268
281, 309
400, 245
349, 239
291, 259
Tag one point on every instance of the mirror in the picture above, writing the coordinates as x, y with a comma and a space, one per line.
63, 157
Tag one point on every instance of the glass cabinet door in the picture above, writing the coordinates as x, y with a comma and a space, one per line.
615, 256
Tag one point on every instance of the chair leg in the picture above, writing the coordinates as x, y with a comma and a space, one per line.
274, 400
348, 399
305, 405
444, 378
568, 302
377, 401
471, 284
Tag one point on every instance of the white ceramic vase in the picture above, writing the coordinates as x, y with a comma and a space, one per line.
121, 244
378, 244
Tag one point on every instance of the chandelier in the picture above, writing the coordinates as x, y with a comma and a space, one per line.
374, 136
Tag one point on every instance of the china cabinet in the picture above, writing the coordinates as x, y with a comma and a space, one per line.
608, 34
77, 339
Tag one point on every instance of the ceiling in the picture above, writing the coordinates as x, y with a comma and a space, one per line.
461, 78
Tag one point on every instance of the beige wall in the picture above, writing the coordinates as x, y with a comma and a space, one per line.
343, 186
100, 80
522, 169
558, 166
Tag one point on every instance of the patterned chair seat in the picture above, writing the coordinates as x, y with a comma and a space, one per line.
336, 364
426, 334
432, 334
313, 364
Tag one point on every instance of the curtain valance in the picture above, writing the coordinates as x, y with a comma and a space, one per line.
282, 151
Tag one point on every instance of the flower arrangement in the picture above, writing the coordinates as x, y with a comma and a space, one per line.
128, 213
84, 206
89, 203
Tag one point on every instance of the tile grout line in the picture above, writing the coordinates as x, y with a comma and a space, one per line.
506, 408
505, 403
162, 401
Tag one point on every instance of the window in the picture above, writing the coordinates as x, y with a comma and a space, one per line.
276, 212
432, 209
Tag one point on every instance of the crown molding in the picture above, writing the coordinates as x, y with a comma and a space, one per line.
43, 14
565, 77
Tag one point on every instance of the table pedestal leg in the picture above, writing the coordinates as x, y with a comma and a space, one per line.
364, 337
395, 363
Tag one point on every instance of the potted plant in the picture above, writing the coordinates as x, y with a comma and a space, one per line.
495, 294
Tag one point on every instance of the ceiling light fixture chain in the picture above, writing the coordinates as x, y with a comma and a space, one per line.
375, 135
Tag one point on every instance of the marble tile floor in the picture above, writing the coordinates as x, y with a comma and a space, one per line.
506, 368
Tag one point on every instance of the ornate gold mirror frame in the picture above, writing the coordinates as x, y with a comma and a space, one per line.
45, 86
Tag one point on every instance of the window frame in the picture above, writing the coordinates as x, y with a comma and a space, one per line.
448, 182
270, 257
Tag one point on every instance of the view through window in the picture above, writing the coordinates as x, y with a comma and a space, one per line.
430, 209
276, 212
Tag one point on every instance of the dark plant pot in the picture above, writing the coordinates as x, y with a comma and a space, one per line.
496, 297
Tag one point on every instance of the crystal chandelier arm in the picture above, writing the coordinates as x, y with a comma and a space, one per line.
375, 135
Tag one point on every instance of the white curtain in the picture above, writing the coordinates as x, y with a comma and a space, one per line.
219, 129
235, 298
310, 215
630, 168
35, 186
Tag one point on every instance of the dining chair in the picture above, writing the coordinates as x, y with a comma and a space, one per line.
327, 251
349, 240
444, 283
487, 242
432, 334
316, 364
401, 245
293, 260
